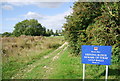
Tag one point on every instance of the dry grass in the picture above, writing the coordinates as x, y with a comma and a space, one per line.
18, 46
19, 51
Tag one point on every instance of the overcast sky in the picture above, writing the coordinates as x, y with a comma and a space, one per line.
49, 14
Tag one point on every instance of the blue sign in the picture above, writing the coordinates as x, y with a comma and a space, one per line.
100, 55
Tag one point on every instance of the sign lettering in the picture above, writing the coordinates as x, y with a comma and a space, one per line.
100, 55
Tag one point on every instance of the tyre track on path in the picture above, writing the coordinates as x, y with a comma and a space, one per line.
21, 73
49, 68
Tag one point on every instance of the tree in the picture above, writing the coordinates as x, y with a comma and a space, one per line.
47, 32
29, 27
77, 23
92, 24
51, 32
105, 29
57, 33
6, 34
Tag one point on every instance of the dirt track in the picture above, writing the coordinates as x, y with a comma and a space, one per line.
52, 56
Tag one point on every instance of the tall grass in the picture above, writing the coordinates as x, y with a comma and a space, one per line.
19, 52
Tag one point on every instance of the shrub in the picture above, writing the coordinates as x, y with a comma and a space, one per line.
116, 54
54, 45
92, 24
6, 34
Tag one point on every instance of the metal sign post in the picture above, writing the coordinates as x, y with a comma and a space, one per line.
99, 55
83, 72
106, 75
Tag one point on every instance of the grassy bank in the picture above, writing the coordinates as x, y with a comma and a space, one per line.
70, 67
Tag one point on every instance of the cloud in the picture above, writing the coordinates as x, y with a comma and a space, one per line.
38, 4
33, 15
31, 1
50, 22
55, 22
7, 7
48, 4
35, 3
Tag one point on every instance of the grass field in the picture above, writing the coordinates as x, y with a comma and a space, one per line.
47, 58
19, 52
70, 67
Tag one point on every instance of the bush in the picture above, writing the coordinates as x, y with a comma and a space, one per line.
55, 46
6, 34
116, 54
92, 24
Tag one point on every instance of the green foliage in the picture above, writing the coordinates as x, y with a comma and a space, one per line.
49, 32
29, 27
116, 54
6, 34
92, 24
105, 29
55, 46
32, 28
77, 23
56, 33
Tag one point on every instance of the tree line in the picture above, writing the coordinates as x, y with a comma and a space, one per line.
32, 28
93, 24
